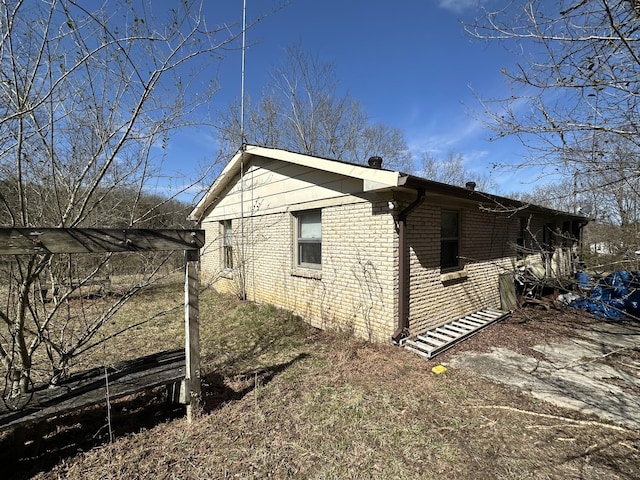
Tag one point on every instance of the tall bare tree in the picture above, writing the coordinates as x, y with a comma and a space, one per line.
607, 190
576, 79
303, 110
452, 170
89, 96
574, 103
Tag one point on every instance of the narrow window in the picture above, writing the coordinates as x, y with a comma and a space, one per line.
449, 239
520, 247
227, 245
309, 239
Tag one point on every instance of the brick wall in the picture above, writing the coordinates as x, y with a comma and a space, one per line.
356, 287
485, 253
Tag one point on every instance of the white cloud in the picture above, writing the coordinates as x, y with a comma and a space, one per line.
437, 141
458, 6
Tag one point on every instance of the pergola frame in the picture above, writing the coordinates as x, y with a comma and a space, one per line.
29, 241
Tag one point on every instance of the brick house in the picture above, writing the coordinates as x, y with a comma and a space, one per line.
381, 253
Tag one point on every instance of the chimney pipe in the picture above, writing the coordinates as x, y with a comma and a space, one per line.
375, 162
470, 185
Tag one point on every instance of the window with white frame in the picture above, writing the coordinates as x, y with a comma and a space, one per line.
449, 239
227, 245
309, 239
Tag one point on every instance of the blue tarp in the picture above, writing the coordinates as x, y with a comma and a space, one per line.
613, 296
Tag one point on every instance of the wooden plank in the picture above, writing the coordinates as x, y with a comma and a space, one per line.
476, 318
430, 340
24, 241
420, 346
507, 288
471, 322
497, 313
447, 330
465, 327
440, 336
89, 388
482, 315
416, 348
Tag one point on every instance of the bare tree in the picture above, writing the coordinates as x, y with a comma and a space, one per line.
89, 97
302, 110
576, 81
574, 103
452, 170
606, 191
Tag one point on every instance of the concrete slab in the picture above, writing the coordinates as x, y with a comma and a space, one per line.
594, 372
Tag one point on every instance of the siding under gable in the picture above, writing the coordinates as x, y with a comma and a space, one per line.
272, 186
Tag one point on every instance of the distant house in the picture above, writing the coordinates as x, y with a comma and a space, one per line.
381, 253
602, 248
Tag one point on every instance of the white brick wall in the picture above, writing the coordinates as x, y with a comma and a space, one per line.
485, 252
356, 287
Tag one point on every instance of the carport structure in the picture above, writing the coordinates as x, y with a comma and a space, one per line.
165, 368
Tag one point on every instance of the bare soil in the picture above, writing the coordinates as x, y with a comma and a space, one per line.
283, 400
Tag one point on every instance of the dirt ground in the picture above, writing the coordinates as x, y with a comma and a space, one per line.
310, 404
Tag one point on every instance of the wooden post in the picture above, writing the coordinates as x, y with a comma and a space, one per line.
192, 335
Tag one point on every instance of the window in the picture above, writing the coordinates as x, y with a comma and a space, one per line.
449, 239
309, 239
227, 245
520, 246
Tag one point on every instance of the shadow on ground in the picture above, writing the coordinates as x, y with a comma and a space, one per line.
22, 456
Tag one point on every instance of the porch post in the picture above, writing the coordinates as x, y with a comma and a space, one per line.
192, 335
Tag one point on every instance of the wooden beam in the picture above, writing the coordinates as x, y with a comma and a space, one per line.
192, 335
25, 241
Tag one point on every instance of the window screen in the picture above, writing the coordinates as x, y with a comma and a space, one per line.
309, 238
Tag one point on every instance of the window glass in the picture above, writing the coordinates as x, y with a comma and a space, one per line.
227, 245
310, 225
310, 253
449, 224
449, 239
309, 240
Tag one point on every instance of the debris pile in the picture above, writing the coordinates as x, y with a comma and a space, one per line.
613, 297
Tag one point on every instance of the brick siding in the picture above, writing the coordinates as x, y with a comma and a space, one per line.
485, 251
356, 288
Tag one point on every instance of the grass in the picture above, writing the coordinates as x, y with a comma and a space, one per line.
283, 400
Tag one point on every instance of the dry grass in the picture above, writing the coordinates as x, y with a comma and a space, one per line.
283, 400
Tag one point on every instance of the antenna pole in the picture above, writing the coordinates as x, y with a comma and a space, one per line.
243, 288
244, 29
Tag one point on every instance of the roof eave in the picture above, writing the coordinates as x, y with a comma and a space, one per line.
410, 181
373, 179
209, 198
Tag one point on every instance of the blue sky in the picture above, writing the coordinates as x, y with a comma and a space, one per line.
408, 62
